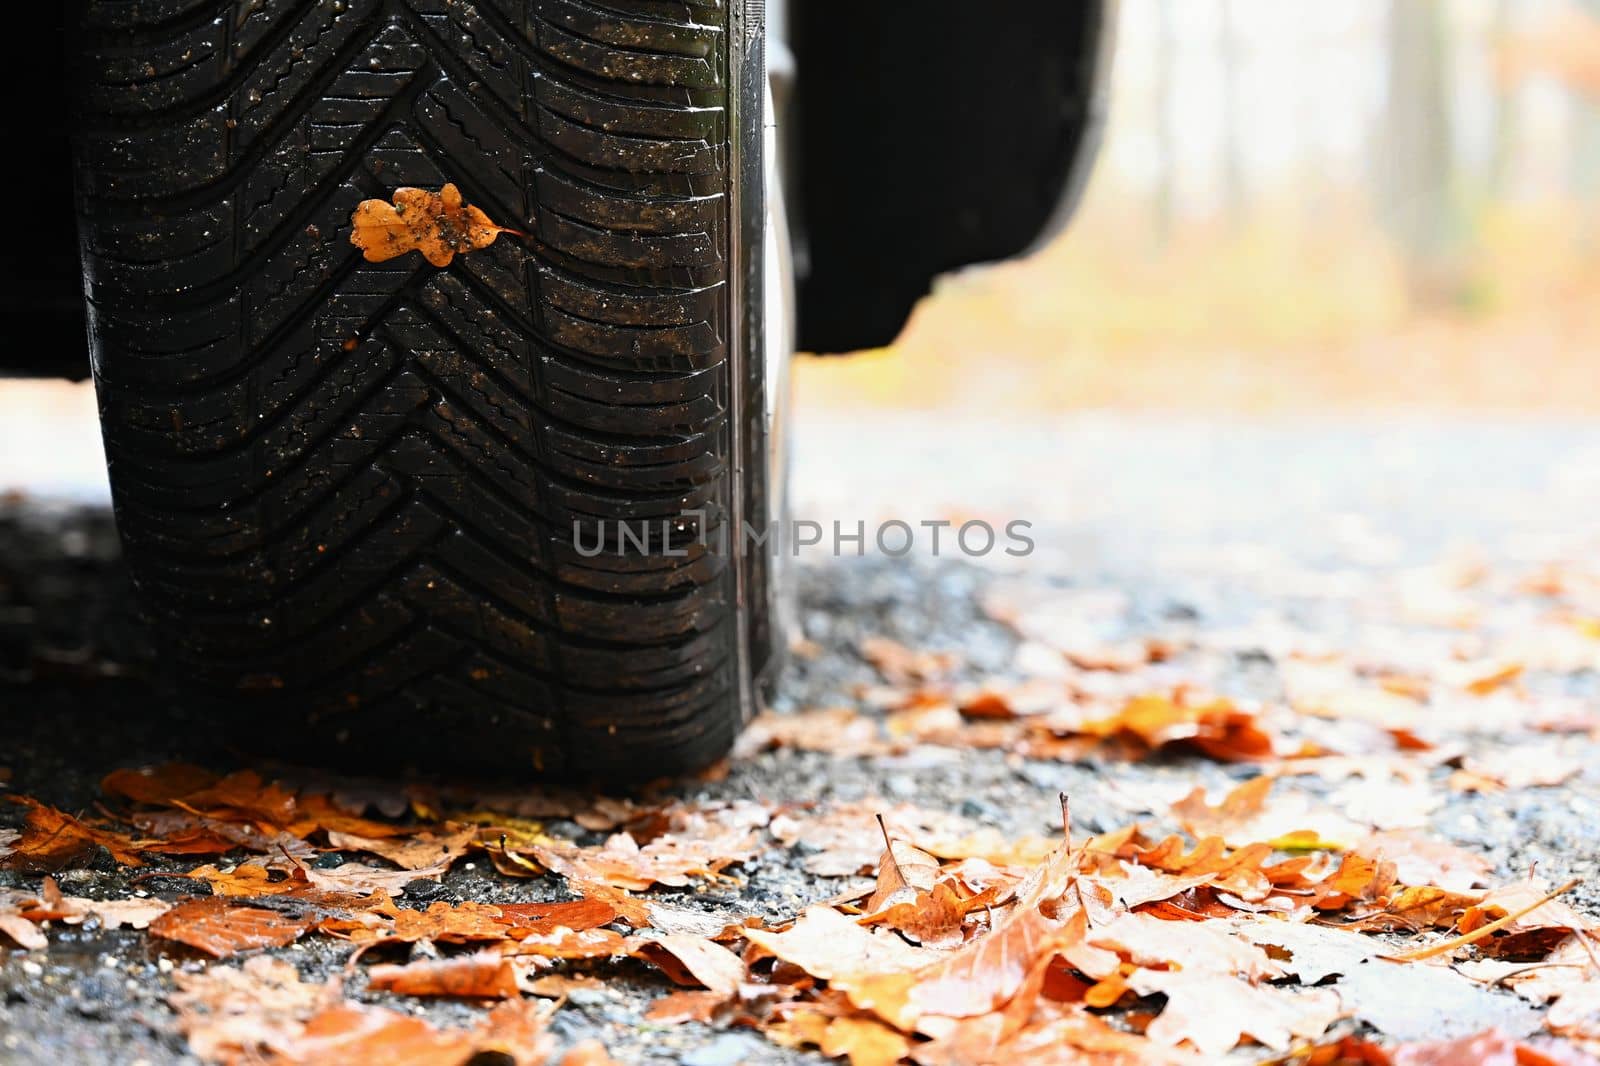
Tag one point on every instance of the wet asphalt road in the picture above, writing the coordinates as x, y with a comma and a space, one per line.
1150, 526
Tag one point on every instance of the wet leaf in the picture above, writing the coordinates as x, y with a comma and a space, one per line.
428, 849
52, 840
437, 224
903, 872
481, 975
221, 929
693, 960
351, 1033
231, 1012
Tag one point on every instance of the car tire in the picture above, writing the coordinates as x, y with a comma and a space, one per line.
358, 499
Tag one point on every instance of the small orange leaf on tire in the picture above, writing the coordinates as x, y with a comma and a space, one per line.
437, 224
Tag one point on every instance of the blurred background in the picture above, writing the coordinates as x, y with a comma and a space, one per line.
1300, 205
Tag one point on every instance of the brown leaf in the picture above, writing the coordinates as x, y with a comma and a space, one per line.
227, 1013
1212, 1013
903, 872
439, 225
1493, 1047
481, 975
357, 1034
221, 929
829, 946
1217, 728
695, 1005
832, 730
158, 785
588, 1053
428, 849
22, 931
571, 944
691, 960
52, 840
457, 923
702, 844
864, 1040
1421, 861
899, 665
539, 919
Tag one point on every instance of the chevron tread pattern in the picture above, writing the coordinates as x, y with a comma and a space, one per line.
348, 491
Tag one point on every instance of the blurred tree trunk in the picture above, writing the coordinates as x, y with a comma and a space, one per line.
1584, 147
1506, 98
1230, 57
1418, 205
1166, 123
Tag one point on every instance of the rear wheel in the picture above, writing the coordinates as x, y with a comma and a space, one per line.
359, 499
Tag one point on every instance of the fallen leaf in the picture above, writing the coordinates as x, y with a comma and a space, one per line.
228, 1013
693, 1005
481, 975
1212, 1013
1421, 861
52, 840
439, 225
1492, 1047
831, 730
358, 1034
693, 960
221, 929
1419, 1002
588, 1053
1244, 817
538, 919
1216, 728
428, 849
899, 665
903, 871
702, 844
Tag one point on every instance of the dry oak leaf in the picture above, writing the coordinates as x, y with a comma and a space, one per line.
437, 224
588, 1053
702, 844
830, 730
1062, 1036
481, 975
693, 960
458, 923
1421, 861
1217, 728
22, 930
899, 665
864, 1041
904, 871
49, 905
1492, 1047
1244, 816
539, 919
1213, 1012
52, 840
338, 1036
229, 1013
426, 849
983, 974
221, 929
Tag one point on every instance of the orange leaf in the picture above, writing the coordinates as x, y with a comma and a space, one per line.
221, 929
439, 225
482, 975
52, 839
691, 960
